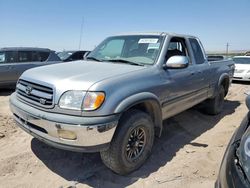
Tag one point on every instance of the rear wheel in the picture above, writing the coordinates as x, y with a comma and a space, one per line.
215, 105
132, 143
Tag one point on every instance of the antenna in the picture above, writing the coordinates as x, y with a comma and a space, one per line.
80, 41
227, 47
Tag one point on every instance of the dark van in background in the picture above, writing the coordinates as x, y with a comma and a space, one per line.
14, 61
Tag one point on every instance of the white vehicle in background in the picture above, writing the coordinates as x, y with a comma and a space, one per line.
242, 68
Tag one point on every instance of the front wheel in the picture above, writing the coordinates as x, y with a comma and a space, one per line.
132, 143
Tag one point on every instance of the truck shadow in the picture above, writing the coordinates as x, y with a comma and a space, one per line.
88, 168
6, 92
241, 82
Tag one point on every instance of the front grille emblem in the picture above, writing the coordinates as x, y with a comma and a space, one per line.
42, 101
28, 90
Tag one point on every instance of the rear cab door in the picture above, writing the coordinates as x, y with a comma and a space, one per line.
202, 66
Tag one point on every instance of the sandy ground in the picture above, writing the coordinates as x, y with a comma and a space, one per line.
187, 155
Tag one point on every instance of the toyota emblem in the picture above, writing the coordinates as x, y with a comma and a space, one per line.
28, 90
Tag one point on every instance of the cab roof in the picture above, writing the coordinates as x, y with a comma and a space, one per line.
156, 34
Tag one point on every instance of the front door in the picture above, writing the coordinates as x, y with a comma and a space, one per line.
180, 84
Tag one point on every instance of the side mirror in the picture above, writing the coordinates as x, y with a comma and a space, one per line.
176, 62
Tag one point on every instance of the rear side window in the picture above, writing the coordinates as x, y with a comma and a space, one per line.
8, 57
24, 56
43, 56
198, 54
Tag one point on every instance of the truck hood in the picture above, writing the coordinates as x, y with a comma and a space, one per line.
77, 75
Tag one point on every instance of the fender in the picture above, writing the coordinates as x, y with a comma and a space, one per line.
152, 103
222, 78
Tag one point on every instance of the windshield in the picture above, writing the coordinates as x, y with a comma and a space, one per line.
141, 49
241, 60
64, 55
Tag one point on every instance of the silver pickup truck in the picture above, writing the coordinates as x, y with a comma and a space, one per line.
114, 102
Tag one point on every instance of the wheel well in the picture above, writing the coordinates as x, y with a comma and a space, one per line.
225, 84
153, 110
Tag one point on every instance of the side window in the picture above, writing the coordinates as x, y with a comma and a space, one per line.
177, 47
2, 57
43, 56
81, 55
24, 56
77, 56
197, 51
8, 57
35, 57
74, 57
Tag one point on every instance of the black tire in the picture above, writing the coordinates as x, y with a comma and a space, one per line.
118, 157
215, 105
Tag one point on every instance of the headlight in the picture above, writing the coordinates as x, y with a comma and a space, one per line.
93, 100
80, 100
72, 100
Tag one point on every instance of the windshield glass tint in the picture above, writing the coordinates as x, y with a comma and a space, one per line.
143, 49
64, 55
241, 60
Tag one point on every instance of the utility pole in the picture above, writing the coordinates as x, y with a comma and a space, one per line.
227, 47
80, 41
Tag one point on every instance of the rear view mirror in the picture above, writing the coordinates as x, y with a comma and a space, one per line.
176, 62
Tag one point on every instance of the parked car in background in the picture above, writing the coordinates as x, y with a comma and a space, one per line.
242, 68
72, 55
14, 61
115, 102
235, 167
247, 53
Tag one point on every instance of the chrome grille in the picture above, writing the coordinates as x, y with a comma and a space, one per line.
35, 93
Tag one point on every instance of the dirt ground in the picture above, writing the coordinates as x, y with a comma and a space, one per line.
187, 155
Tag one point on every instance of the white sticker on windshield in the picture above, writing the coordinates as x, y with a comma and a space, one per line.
148, 41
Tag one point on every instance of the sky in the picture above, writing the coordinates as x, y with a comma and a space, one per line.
56, 24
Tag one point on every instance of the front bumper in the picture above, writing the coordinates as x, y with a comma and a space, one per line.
241, 76
92, 133
231, 174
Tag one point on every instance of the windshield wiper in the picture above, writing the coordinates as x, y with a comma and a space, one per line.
93, 58
124, 61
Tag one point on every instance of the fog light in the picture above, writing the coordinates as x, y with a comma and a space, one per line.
64, 134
